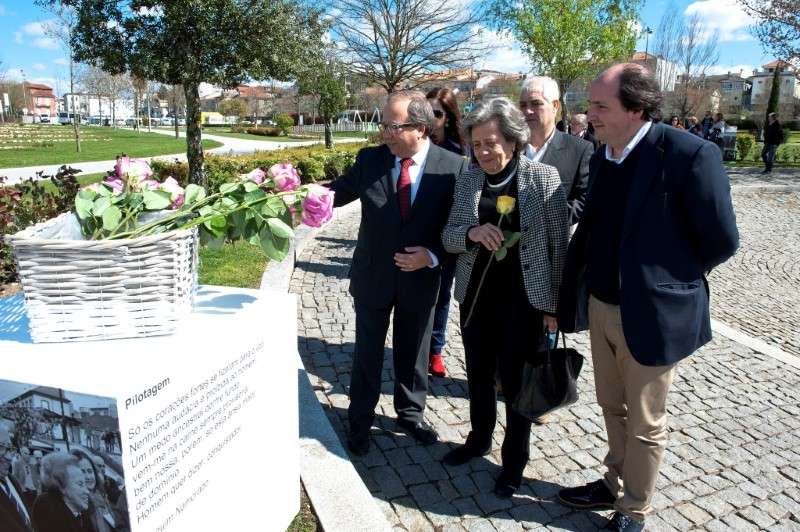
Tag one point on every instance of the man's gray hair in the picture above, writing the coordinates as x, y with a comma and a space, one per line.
509, 119
54, 469
419, 108
542, 84
581, 119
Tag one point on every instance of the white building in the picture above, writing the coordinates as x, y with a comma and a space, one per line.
666, 72
91, 105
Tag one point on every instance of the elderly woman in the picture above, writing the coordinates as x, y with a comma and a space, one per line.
505, 302
63, 506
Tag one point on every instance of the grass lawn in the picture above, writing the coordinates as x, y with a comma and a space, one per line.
31, 145
226, 132
235, 264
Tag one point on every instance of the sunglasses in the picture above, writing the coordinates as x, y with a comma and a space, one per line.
437, 113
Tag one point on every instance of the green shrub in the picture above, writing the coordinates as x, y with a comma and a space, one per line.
744, 143
176, 169
265, 131
238, 128
311, 169
338, 162
29, 202
284, 123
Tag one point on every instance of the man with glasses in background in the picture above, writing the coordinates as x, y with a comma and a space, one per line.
406, 188
14, 515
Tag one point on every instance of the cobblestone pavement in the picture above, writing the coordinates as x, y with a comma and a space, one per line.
758, 290
733, 461
752, 177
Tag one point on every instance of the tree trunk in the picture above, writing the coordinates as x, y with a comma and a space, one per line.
328, 133
194, 141
136, 110
564, 110
149, 115
75, 127
175, 112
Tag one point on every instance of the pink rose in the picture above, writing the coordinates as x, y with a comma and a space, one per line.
257, 175
116, 183
285, 177
136, 168
176, 191
317, 206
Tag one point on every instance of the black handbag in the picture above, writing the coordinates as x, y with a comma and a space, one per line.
549, 380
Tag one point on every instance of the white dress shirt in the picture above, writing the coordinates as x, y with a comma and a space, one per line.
631, 145
9, 489
536, 155
415, 172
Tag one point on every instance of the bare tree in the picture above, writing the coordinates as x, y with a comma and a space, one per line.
62, 30
2, 103
393, 42
778, 26
689, 49
119, 86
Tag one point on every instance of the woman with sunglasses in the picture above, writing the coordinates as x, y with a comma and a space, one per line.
446, 133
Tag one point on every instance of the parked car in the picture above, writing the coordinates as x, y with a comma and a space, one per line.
68, 118
44, 119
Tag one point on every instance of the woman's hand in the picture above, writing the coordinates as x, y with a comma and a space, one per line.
487, 234
551, 322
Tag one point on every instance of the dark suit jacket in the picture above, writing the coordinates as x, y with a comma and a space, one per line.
588, 137
10, 520
375, 280
570, 155
50, 514
679, 224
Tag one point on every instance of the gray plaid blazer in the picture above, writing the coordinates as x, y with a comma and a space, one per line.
543, 221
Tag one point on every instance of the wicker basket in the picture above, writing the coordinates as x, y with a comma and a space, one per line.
78, 290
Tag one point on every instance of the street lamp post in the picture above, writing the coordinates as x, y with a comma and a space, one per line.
647, 33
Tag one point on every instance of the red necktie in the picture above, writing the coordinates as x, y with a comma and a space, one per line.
404, 189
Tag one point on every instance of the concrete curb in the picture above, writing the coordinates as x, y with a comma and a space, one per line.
338, 495
766, 188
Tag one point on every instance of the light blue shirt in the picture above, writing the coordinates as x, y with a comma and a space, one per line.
415, 172
631, 145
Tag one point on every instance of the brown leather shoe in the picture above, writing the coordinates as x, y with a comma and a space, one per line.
541, 420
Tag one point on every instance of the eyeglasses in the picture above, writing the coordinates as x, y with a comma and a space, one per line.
395, 128
437, 113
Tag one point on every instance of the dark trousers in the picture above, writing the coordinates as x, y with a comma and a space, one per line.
768, 155
411, 341
442, 309
497, 343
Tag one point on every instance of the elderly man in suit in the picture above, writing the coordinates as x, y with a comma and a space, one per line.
539, 103
14, 514
658, 218
406, 189
579, 127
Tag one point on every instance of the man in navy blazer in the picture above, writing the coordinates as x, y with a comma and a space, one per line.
406, 190
658, 218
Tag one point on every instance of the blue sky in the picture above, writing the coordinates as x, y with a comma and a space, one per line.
26, 49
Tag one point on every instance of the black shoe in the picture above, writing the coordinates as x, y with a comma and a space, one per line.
623, 523
358, 443
503, 487
419, 430
463, 454
593, 495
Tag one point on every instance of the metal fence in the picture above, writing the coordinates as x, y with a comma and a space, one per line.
341, 127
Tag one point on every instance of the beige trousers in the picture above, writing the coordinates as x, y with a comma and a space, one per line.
633, 398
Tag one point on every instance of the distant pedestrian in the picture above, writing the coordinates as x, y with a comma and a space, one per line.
675, 122
579, 127
773, 137
694, 126
708, 121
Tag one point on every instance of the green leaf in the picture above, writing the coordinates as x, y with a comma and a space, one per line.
83, 207
216, 225
156, 200
100, 205
274, 248
267, 210
193, 194
103, 190
87, 193
279, 228
277, 205
501, 253
111, 218
227, 188
250, 186
254, 195
511, 238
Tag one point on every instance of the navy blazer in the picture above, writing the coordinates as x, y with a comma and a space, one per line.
375, 280
679, 224
570, 156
